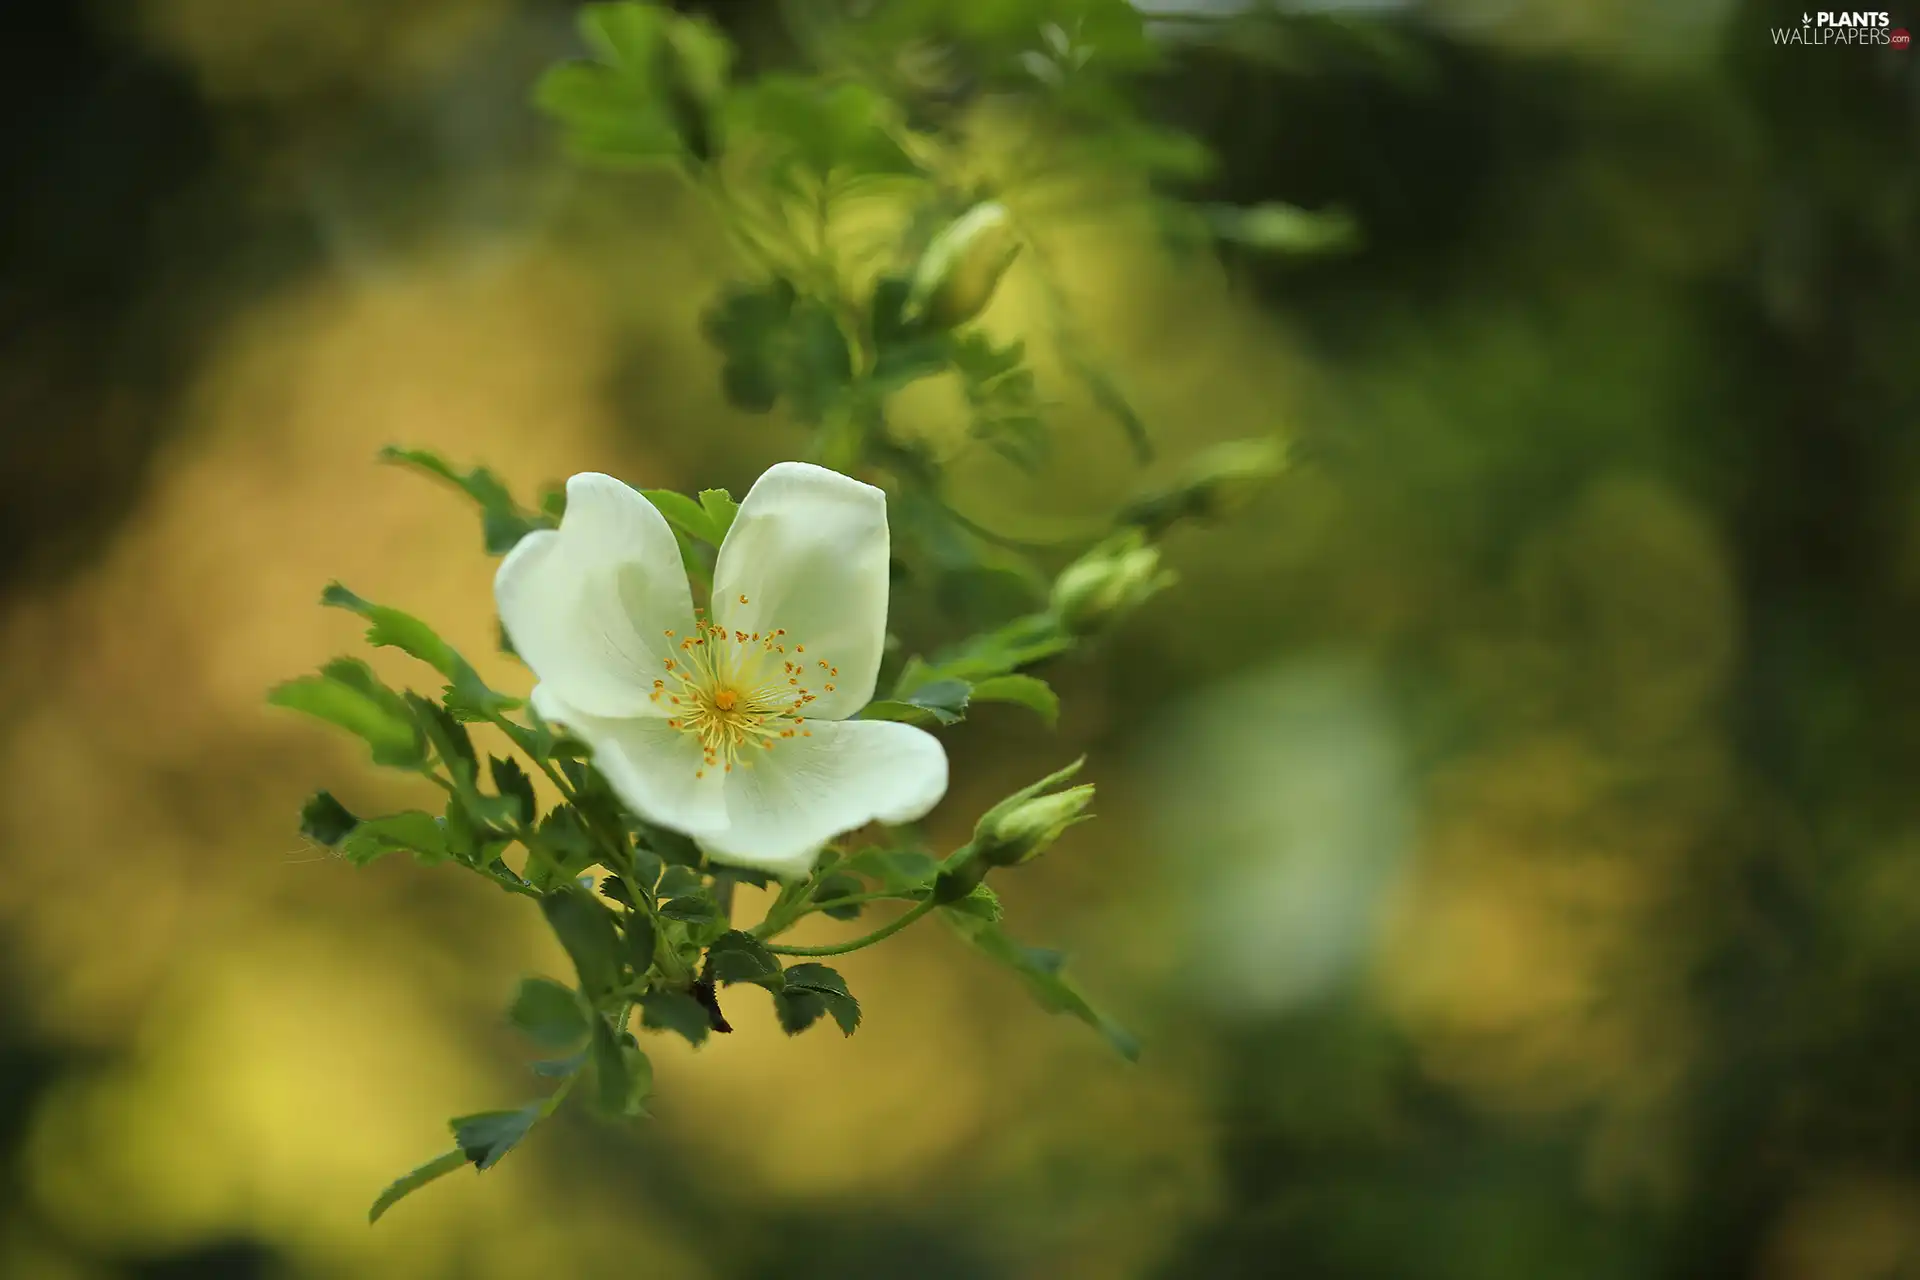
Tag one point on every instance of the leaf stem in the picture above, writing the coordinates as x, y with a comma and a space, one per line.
878, 935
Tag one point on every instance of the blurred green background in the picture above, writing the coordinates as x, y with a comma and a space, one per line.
1509, 847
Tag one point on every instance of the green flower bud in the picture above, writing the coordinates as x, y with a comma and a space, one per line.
1219, 482
1018, 829
956, 276
1107, 582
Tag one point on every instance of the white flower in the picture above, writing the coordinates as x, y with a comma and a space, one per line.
732, 728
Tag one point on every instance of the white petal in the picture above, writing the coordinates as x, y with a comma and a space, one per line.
787, 802
653, 769
808, 552
588, 607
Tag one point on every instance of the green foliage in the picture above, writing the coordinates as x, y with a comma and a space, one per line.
324, 820
420, 833
405, 1185
467, 694
586, 930
549, 1014
678, 1012
346, 693
622, 1073
503, 522
810, 990
650, 95
487, 1135
1030, 692
777, 344
1040, 969
740, 957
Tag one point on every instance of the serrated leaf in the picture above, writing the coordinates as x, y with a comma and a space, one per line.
825, 984
1040, 969
981, 903
405, 1185
638, 933
347, 695
798, 1009
503, 522
1028, 691
820, 127
680, 882
513, 784
740, 957
586, 929
487, 1135
324, 820
419, 833
720, 508
466, 694
678, 1012
549, 1013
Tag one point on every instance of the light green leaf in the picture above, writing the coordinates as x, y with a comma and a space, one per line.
407, 1184
720, 508
467, 694
503, 522
1284, 228
686, 515
937, 702
622, 1073
419, 833
1040, 969
1028, 691
348, 695
487, 1135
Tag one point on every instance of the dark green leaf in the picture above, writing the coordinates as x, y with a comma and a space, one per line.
798, 1009
407, 1184
693, 909
622, 1074
487, 1135
586, 929
676, 1011
680, 882
838, 885
740, 957
831, 990
938, 702
512, 783
325, 820
897, 870
549, 1014
640, 938
1028, 691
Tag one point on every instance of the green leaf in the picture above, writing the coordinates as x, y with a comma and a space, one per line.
638, 931
819, 127
778, 344
897, 870
1027, 691
564, 848
422, 834
467, 694
503, 522
549, 1014
740, 957
695, 909
685, 514
720, 508
999, 652
325, 820
348, 695
1283, 228
680, 882
839, 885
1040, 969
829, 988
798, 1009
938, 702
586, 930
487, 1135
407, 1184
622, 1073
514, 785
981, 903
676, 1011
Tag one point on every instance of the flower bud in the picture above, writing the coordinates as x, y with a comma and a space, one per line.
1108, 582
1218, 482
956, 276
1024, 832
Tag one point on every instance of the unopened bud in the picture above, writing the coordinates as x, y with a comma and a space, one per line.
1018, 829
956, 276
1107, 582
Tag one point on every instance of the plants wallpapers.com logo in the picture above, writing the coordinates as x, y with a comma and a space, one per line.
1845, 28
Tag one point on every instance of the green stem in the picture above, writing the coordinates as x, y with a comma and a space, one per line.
878, 935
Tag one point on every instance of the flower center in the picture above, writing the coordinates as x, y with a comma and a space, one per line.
737, 691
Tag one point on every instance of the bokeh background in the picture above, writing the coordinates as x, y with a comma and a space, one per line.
1509, 847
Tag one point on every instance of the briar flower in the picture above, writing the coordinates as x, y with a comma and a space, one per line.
731, 727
